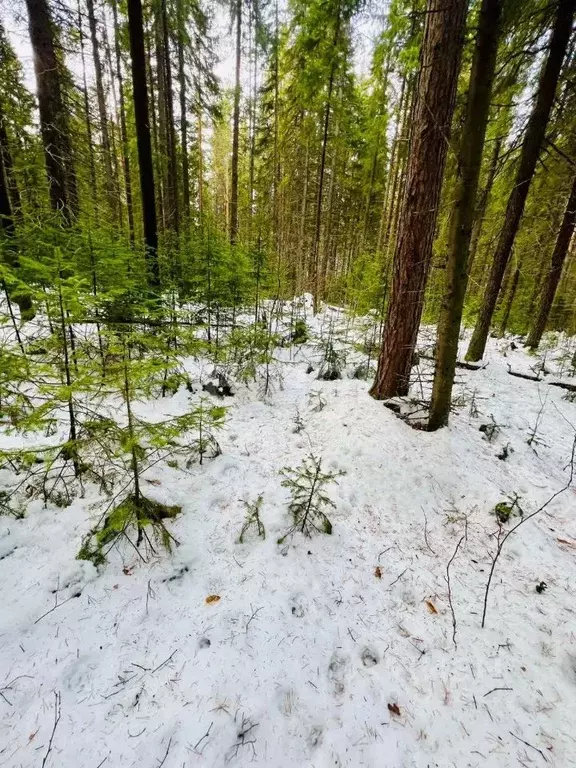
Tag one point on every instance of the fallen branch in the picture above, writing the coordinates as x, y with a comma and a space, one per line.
528, 376
450, 603
56, 721
161, 763
459, 363
524, 519
563, 385
58, 605
526, 743
496, 689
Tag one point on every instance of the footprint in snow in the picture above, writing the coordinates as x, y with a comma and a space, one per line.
315, 737
337, 672
298, 607
369, 657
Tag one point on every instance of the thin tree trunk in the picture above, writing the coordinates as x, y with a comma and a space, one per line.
316, 273
101, 99
236, 129
439, 66
200, 167
183, 117
462, 218
509, 302
533, 139
172, 162
553, 278
54, 126
140, 95
123, 127
483, 203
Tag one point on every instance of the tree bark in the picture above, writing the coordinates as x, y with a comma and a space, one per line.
533, 139
101, 100
183, 117
553, 278
439, 66
483, 203
54, 125
317, 275
236, 129
462, 217
123, 127
140, 96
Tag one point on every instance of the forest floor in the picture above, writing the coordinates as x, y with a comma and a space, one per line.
336, 650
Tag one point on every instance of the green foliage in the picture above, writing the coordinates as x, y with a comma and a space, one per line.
135, 514
505, 510
252, 521
300, 334
307, 484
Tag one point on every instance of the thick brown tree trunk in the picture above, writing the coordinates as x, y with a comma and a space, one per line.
439, 66
462, 217
558, 258
54, 125
140, 96
236, 129
533, 139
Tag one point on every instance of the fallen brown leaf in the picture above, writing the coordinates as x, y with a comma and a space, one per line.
568, 543
394, 709
431, 607
378, 572
212, 599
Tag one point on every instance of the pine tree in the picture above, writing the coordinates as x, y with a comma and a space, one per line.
461, 222
531, 146
440, 60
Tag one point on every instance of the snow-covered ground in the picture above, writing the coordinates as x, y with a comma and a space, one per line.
331, 651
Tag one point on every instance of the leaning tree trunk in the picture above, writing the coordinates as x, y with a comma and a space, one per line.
462, 219
483, 203
439, 66
140, 96
533, 139
54, 126
236, 129
558, 258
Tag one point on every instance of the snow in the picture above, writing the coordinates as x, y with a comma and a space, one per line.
308, 647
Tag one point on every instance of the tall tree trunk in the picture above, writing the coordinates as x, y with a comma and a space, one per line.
172, 162
462, 218
316, 271
88, 121
7, 216
439, 66
140, 95
236, 129
123, 127
509, 302
54, 126
482, 204
183, 117
533, 138
200, 166
561, 247
101, 99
